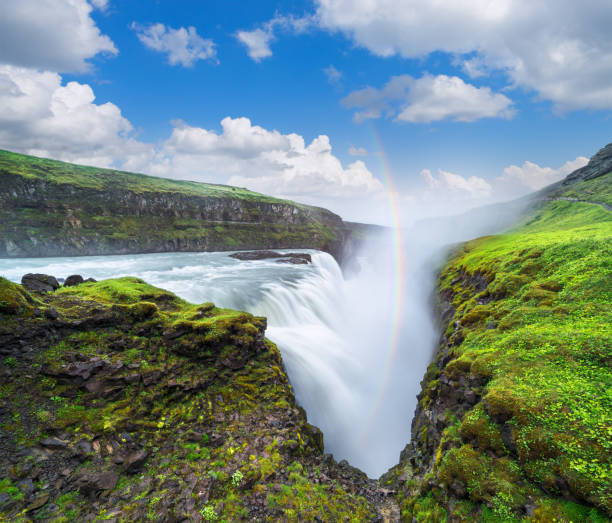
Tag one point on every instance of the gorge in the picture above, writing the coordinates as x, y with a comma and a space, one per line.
154, 406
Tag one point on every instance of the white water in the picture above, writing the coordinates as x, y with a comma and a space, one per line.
335, 335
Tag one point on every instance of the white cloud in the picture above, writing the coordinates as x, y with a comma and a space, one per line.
100, 4
333, 75
183, 45
455, 184
51, 34
257, 41
268, 161
531, 177
357, 151
429, 99
41, 115
561, 49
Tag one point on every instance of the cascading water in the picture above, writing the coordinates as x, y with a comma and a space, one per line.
338, 337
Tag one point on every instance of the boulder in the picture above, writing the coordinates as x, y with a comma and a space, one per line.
134, 461
293, 261
255, 255
75, 279
90, 483
296, 258
39, 282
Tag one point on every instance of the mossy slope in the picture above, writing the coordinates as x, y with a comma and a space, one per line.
514, 421
52, 208
121, 402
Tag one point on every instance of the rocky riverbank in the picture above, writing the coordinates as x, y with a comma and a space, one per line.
51, 208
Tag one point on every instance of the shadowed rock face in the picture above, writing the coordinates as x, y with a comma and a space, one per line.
129, 403
50, 208
599, 164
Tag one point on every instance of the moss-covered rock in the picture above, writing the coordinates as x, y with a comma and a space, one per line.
513, 421
133, 404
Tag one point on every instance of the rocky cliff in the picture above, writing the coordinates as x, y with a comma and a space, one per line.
513, 420
50, 208
121, 402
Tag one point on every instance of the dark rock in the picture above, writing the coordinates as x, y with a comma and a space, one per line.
27, 487
134, 461
508, 439
255, 255
458, 488
51, 313
195, 436
84, 447
470, 397
4, 497
91, 280
39, 282
73, 280
293, 261
54, 443
291, 257
598, 165
90, 483
84, 369
38, 502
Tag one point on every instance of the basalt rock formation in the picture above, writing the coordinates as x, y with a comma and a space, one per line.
121, 402
51, 208
513, 419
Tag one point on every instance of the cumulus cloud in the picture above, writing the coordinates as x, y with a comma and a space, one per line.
183, 45
561, 49
428, 99
531, 177
51, 34
446, 182
268, 161
41, 115
357, 151
257, 41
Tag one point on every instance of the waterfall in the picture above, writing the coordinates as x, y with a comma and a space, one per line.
336, 335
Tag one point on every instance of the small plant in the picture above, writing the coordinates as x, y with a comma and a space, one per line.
11, 361
237, 478
209, 514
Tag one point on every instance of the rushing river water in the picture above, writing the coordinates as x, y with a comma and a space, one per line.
354, 361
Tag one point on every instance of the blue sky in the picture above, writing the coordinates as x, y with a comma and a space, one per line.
459, 96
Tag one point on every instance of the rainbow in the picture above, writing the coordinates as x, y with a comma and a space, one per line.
398, 275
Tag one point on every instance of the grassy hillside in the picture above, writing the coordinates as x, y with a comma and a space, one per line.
51, 208
120, 401
514, 421
53, 171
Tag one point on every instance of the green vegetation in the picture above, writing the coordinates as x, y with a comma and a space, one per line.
63, 173
51, 208
155, 408
531, 340
596, 190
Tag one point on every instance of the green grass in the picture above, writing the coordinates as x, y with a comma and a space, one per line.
596, 190
56, 208
101, 179
540, 337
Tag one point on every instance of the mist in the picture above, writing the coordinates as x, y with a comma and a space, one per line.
355, 344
